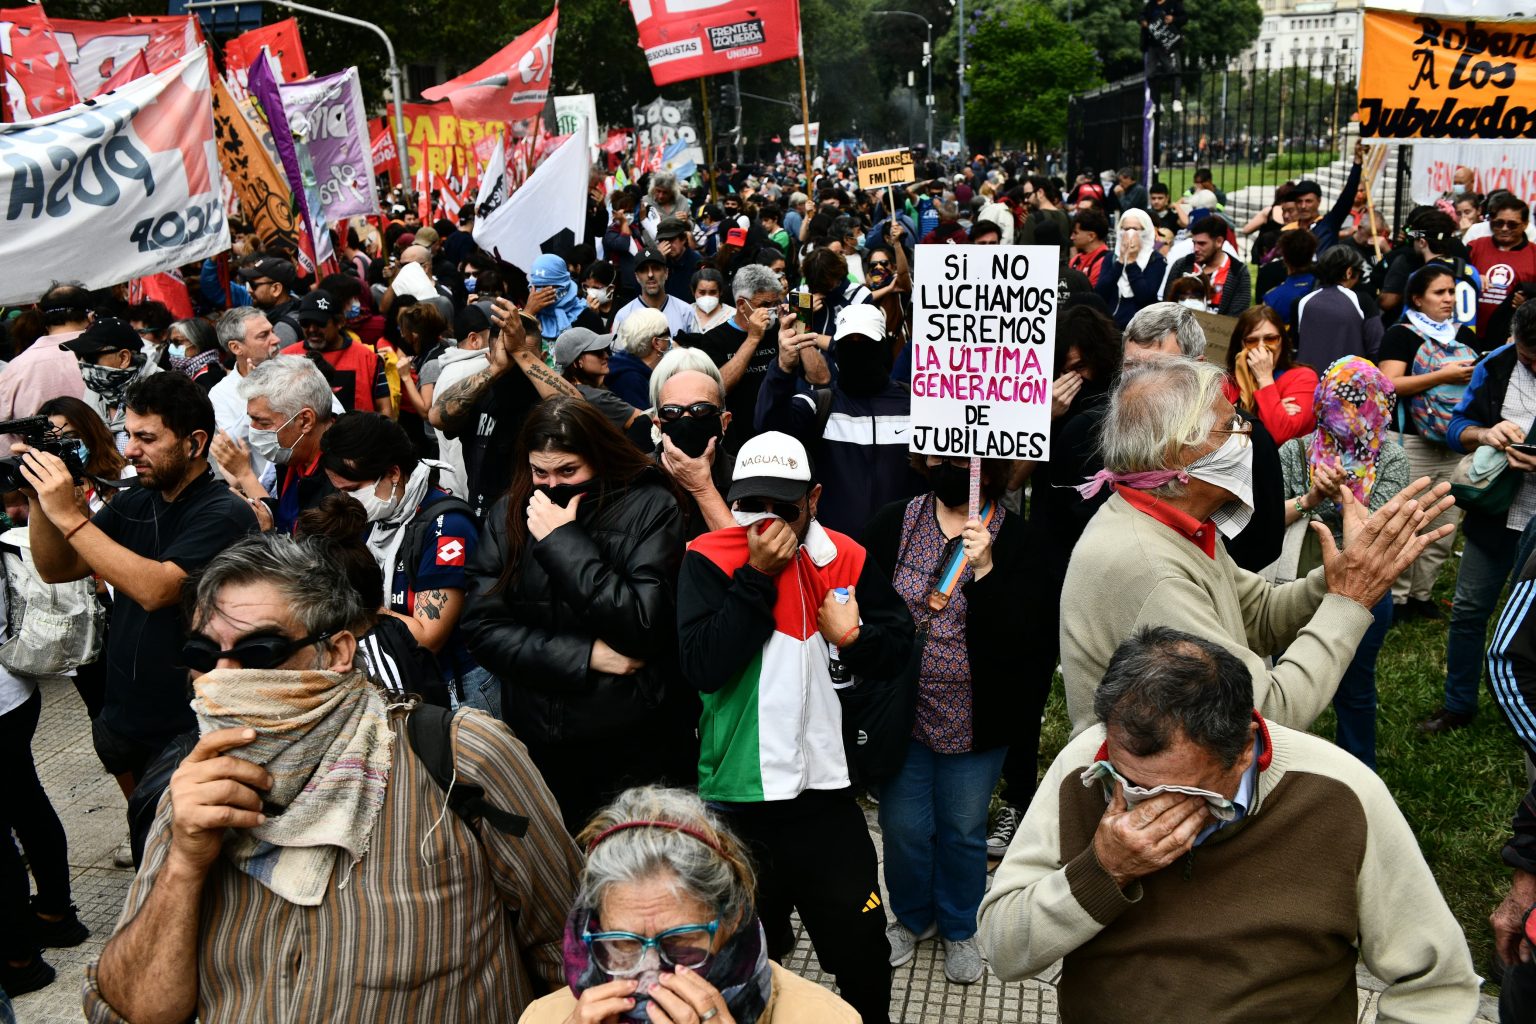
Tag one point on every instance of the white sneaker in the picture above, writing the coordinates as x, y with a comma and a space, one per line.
122, 857
904, 942
1003, 829
962, 961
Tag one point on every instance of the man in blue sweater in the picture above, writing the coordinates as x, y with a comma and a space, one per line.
859, 433
1309, 196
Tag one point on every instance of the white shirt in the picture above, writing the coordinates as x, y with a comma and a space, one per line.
679, 314
14, 690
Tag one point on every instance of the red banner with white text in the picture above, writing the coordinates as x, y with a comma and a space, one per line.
685, 39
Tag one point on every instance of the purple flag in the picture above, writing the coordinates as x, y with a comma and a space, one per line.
263, 86
327, 118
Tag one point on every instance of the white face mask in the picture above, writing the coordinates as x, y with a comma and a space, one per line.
265, 443
377, 508
178, 351
1229, 467
748, 518
1193, 304
708, 303
599, 294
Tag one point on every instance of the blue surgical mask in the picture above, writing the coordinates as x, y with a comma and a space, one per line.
470, 281
177, 351
355, 311
1457, 190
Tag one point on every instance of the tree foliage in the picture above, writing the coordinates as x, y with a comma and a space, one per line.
1024, 64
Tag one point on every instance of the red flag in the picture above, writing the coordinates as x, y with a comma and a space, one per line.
512, 85
281, 39
685, 39
138, 67
37, 79
423, 196
99, 50
167, 288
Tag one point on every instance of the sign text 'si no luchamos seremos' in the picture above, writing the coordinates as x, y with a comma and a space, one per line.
983, 348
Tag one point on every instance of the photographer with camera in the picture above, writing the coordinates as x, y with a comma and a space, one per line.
144, 544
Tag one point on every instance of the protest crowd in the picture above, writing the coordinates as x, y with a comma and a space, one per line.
514, 625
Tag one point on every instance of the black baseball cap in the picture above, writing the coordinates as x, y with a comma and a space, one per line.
317, 307
108, 334
274, 267
650, 256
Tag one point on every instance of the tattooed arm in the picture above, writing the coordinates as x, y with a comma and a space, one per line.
433, 618
452, 406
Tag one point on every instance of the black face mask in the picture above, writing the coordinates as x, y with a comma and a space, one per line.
692, 434
951, 484
561, 494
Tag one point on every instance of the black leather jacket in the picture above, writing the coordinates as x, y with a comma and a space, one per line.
612, 574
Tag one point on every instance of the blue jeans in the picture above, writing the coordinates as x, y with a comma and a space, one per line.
933, 816
1490, 553
1355, 700
482, 690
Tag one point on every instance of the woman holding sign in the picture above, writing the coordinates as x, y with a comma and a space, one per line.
967, 583
1131, 278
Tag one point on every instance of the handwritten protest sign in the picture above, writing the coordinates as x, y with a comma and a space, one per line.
983, 347
1433, 78
887, 167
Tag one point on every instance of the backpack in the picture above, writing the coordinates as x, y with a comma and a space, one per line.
50, 628
421, 522
429, 730
1431, 409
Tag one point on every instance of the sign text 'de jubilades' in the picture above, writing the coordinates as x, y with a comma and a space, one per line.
983, 347
1425, 77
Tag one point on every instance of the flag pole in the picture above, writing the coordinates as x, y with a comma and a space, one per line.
709, 142
805, 111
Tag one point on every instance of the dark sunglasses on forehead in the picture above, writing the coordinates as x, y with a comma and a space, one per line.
697, 410
265, 650
787, 511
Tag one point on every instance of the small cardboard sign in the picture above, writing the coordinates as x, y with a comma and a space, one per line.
887, 167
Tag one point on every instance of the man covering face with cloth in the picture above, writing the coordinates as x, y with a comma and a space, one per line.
1180, 460
307, 865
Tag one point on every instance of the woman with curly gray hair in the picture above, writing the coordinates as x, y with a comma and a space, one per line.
664, 928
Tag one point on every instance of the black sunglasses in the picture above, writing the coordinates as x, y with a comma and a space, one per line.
785, 510
698, 410
262, 651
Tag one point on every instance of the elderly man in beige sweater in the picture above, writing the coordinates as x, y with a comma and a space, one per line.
1180, 462
1189, 860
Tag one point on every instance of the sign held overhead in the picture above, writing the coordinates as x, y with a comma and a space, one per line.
887, 167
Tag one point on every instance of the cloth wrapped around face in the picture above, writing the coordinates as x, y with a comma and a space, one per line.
1222, 809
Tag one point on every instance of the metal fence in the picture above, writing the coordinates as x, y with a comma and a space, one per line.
1252, 122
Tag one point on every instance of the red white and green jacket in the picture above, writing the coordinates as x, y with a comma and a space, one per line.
772, 725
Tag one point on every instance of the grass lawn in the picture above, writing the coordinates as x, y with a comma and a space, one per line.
1230, 178
1458, 790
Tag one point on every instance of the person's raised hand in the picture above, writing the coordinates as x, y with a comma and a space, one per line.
212, 791
684, 997
1261, 363
758, 321
1131, 843
545, 517
1063, 390
603, 1004
1327, 481
692, 474
771, 545
1379, 548
838, 619
540, 299
49, 478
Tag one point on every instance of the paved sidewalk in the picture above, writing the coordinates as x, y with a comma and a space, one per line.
92, 809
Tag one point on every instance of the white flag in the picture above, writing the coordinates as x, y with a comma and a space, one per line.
552, 199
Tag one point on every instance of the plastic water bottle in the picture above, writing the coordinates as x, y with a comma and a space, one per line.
841, 675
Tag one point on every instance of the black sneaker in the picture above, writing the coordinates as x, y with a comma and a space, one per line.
1419, 608
60, 934
1003, 829
18, 981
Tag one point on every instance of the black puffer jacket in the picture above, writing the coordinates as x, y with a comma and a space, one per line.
612, 574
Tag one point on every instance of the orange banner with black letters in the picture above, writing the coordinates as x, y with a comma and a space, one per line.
1435, 77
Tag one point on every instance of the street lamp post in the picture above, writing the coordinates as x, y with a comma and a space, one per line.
389, 48
927, 63
960, 28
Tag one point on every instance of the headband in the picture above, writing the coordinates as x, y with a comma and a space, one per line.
672, 826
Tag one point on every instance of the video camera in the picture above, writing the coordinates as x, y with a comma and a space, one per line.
40, 433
